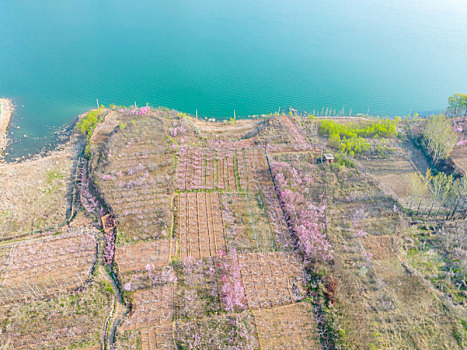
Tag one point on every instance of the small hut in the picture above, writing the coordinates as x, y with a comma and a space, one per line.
108, 223
328, 158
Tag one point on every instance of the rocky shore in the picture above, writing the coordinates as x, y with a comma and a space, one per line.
6, 111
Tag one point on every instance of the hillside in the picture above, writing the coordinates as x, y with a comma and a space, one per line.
151, 229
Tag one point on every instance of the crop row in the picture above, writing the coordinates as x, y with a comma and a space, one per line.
41, 267
202, 168
200, 227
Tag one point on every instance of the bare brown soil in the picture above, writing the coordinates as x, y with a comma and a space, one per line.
459, 155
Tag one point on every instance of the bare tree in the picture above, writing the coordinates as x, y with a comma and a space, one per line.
419, 186
458, 196
441, 186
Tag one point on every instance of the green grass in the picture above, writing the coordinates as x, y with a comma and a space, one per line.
428, 262
54, 175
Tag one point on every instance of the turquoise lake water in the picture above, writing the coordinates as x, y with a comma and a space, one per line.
254, 56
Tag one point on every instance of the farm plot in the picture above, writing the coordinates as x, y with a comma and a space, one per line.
151, 307
295, 130
200, 229
160, 337
134, 178
274, 278
41, 268
274, 211
136, 257
287, 327
143, 220
276, 132
220, 168
73, 320
197, 289
247, 227
140, 202
235, 331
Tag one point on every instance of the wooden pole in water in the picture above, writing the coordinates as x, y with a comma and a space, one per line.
196, 114
234, 115
97, 101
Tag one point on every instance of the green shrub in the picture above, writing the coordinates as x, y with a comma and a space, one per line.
349, 138
382, 128
88, 123
356, 145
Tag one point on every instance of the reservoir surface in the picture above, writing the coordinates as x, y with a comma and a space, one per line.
386, 57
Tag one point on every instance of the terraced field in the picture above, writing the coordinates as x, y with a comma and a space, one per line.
223, 236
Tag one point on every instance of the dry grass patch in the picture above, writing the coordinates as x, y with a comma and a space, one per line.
378, 302
74, 320
241, 128
34, 194
275, 132
234, 331
459, 155
380, 247
158, 338
287, 327
393, 174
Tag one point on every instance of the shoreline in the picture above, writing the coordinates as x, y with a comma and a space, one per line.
7, 110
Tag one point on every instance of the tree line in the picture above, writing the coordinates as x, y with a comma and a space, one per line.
438, 193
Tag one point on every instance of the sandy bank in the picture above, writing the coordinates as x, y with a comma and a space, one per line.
5, 115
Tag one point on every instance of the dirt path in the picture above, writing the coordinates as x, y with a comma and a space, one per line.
417, 157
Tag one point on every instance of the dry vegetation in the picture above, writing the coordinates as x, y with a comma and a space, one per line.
201, 235
393, 173
35, 195
459, 153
